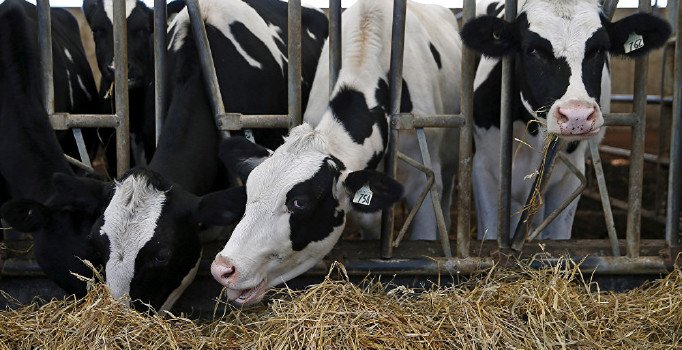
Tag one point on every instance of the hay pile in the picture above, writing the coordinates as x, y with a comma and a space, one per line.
552, 308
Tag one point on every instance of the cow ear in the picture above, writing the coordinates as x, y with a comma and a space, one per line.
636, 35
221, 208
372, 191
240, 155
82, 193
489, 35
89, 7
25, 215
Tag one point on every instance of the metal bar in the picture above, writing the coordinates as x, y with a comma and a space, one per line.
466, 141
206, 59
160, 18
334, 42
623, 205
634, 218
237, 121
294, 57
121, 87
64, 121
75, 162
435, 196
505, 169
672, 227
409, 121
604, 193
663, 129
395, 85
620, 119
573, 196
616, 151
45, 47
430, 178
650, 99
526, 215
82, 150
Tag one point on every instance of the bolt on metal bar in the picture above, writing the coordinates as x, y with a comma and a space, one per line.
505, 169
334, 42
672, 227
636, 175
604, 195
395, 86
121, 87
160, 18
206, 59
294, 59
466, 141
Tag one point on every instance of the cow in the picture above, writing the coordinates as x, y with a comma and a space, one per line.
299, 197
140, 25
32, 164
561, 86
151, 224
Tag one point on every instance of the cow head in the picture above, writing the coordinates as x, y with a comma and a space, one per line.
140, 24
560, 50
151, 227
297, 201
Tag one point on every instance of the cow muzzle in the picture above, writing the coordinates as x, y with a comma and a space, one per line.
575, 119
225, 272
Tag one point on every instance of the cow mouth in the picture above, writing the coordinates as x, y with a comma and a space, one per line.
248, 296
583, 136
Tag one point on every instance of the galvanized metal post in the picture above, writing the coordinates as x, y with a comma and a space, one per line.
206, 59
634, 217
45, 47
395, 77
160, 18
121, 87
294, 56
672, 227
466, 140
334, 42
504, 198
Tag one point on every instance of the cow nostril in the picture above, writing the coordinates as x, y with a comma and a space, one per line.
562, 118
592, 117
228, 272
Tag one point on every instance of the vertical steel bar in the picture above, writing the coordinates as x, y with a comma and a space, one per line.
160, 17
634, 217
504, 198
395, 79
121, 87
206, 59
466, 141
672, 227
663, 129
45, 47
294, 55
334, 42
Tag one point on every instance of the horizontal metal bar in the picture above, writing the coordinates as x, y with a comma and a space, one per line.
620, 119
642, 265
406, 121
623, 205
650, 99
617, 151
237, 121
65, 121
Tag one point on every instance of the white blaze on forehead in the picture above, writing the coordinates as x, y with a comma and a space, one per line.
222, 14
129, 223
109, 8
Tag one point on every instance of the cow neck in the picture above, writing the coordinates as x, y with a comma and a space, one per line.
188, 147
29, 150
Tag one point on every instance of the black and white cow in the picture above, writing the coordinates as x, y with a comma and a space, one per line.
561, 86
298, 197
140, 25
150, 227
32, 164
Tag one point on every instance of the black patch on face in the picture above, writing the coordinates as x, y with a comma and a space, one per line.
436, 56
487, 103
494, 9
593, 62
542, 77
313, 208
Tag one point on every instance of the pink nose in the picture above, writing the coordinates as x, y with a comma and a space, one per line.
223, 270
576, 120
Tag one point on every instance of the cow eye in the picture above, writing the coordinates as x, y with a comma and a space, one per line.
538, 53
162, 256
298, 204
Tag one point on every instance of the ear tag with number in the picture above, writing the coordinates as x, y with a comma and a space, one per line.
634, 42
363, 195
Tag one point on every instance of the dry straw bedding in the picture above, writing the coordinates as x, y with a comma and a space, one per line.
517, 309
